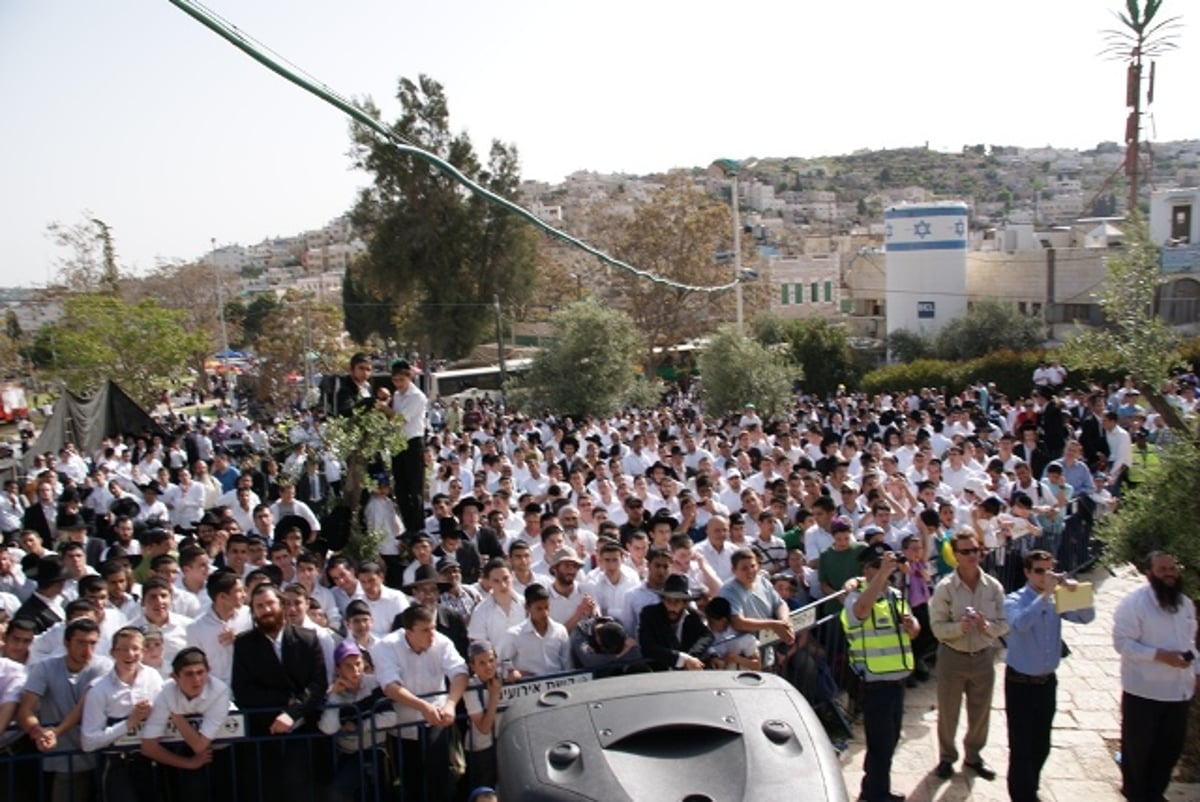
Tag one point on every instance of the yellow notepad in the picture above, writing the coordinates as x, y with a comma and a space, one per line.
1066, 601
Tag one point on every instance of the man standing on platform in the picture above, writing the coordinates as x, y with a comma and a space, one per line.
408, 467
1030, 687
1154, 630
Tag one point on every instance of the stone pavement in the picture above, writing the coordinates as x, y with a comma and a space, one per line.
1087, 727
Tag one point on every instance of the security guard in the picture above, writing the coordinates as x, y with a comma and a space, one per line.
880, 629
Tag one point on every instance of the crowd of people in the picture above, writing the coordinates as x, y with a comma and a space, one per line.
156, 584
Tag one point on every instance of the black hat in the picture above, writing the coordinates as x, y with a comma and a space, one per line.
663, 515
448, 525
119, 553
50, 570
467, 501
151, 487
70, 520
676, 587
446, 563
425, 574
125, 506
287, 522
874, 552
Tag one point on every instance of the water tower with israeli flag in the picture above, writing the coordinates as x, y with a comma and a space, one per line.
926, 251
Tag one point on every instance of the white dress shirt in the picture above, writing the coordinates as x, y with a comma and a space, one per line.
613, 598
205, 632
420, 674
1140, 628
534, 654
412, 406
384, 610
212, 703
490, 622
721, 561
111, 699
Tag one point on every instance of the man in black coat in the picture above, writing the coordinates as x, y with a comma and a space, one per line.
425, 588
353, 390
659, 623
278, 675
43, 607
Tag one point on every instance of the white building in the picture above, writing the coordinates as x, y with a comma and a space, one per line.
926, 253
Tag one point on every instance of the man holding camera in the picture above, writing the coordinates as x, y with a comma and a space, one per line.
1030, 687
1154, 630
880, 628
967, 617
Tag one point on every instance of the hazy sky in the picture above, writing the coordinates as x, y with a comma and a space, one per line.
135, 112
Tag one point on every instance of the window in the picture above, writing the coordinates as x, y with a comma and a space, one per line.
813, 292
783, 298
828, 291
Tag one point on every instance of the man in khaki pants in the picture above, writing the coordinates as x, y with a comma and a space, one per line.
966, 614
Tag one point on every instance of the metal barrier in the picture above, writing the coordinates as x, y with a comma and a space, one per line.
307, 765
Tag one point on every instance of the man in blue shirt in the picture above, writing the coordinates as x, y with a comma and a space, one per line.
1034, 650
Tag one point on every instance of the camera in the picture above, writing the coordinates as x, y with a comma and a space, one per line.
901, 559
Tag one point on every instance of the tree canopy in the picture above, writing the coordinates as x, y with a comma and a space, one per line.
143, 345
590, 369
817, 347
437, 253
735, 371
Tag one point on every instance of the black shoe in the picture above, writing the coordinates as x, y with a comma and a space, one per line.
889, 798
982, 769
944, 770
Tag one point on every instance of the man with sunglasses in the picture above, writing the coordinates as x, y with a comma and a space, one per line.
1030, 687
966, 614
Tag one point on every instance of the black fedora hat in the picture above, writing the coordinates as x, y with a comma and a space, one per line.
287, 522
49, 571
676, 587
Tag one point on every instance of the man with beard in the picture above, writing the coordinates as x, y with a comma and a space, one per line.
278, 669
1154, 630
671, 634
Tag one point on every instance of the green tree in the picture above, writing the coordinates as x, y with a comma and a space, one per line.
90, 264
432, 245
297, 331
736, 370
988, 326
1135, 341
249, 319
143, 346
906, 345
822, 352
590, 369
366, 314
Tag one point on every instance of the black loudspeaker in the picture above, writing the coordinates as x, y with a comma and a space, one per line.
684, 736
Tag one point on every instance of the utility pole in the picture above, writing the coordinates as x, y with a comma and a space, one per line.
220, 297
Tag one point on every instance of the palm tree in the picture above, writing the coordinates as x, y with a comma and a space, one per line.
1141, 37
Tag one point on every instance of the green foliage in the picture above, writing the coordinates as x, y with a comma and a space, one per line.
250, 318
988, 326
437, 253
589, 370
365, 433
736, 371
909, 346
1011, 371
823, 353
1137, 342
1162, 512
365, 312
912, 376
142, 345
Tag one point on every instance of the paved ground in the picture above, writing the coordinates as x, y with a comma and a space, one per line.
1087, 728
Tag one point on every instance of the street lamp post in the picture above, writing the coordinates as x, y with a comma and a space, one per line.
730, 168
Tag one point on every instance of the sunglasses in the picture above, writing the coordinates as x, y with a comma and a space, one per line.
967, 552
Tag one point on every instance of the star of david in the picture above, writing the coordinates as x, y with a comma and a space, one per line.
922, 229
888, 231
959, 227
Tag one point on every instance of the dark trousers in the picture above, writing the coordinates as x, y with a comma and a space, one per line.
426, 773
1152, 735
126, 777
883, 712
408, 483
925, 644
1030, 709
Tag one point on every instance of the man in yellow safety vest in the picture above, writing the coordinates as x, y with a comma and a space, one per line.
880, 629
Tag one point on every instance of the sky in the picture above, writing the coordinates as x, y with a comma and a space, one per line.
133, 112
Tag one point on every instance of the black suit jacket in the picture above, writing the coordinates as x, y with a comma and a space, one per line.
296, 685
658, 642
35, 519
468, 559
304, 489
42, 615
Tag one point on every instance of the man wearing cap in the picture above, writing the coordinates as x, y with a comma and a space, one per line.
350, 714
539, 645
879, 628
671, 634
569, 601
